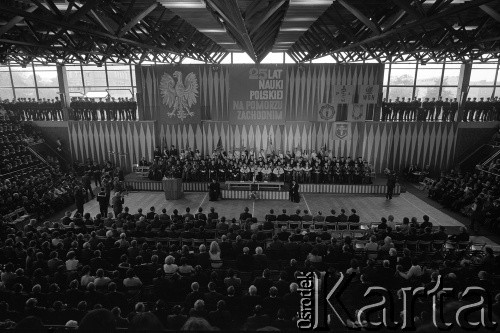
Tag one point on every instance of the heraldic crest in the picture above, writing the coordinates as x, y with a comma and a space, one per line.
341, 131
180, 95
326, 112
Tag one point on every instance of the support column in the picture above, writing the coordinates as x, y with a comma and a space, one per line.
63, 90
463, 87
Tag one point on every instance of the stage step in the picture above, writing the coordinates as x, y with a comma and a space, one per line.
149, 185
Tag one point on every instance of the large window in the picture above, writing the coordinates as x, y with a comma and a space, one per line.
418, 80
483, 80
117, 80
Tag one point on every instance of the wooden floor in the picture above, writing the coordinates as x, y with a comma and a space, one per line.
369, 207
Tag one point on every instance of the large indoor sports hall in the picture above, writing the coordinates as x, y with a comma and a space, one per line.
249, 165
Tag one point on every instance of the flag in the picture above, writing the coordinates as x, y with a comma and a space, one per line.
326, 112
357, 112
344, 93
368, 93
219, 145
270, 148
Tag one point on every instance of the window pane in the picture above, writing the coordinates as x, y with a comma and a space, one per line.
384, 92
94, 88
6, 93
118, 68
119, 92
324, 60
227, 59
288, 59
46, 78
191, 61
423, 92
25, 92
484, 65
431, 77
386, 74
74, 78
402, 77
451, 76
450, 92
23, 78
5, 79
404, 65
479, 77
400, 92
273, 58
94, 78
480, 92
119, 78
49, 93
73, 68
133, 77
241, 58
4, 68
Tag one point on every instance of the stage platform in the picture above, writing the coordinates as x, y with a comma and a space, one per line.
139, 183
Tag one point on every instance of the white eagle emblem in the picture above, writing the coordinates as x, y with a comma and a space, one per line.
181, 95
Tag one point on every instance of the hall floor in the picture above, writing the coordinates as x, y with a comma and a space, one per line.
370, 208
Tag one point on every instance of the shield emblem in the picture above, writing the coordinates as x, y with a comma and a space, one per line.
341, 131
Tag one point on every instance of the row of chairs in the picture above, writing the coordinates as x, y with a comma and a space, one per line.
318, 225
431, 246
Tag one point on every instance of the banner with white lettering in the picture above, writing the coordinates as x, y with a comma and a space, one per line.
257, 94
344, 93
342, 131
368, 93
357, 112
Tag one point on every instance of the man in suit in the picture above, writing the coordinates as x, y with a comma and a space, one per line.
296, 216
245, 215
151, 214
342, 217
283, 217
391, 183
307, 217
188, 214
353, 217
331, 218
271, 217
319, 217
258, 320
245, 261
200, 215
213, 215
283, 234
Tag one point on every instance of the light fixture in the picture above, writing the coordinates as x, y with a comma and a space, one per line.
292, 29
212, 31
188, 4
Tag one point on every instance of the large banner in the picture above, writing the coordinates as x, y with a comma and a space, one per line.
244, 94
258, 94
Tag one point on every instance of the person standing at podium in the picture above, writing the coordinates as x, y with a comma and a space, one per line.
214, 190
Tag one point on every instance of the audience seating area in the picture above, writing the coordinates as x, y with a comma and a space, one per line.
28, 184
474, 194
162, 271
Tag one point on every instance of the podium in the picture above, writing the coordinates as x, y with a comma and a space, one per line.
172, 188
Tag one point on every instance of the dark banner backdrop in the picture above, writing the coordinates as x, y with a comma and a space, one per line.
258, 94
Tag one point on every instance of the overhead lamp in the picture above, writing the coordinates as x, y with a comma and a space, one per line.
193, 4
292, 29
212, 31
456, 26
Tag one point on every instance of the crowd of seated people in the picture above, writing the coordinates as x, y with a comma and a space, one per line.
432, 109
303, 166
474, 194
147, 268
26, 181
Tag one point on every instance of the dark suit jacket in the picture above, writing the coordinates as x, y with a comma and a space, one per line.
245, 216
353, 218
342, 218
331, 219
283, 217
